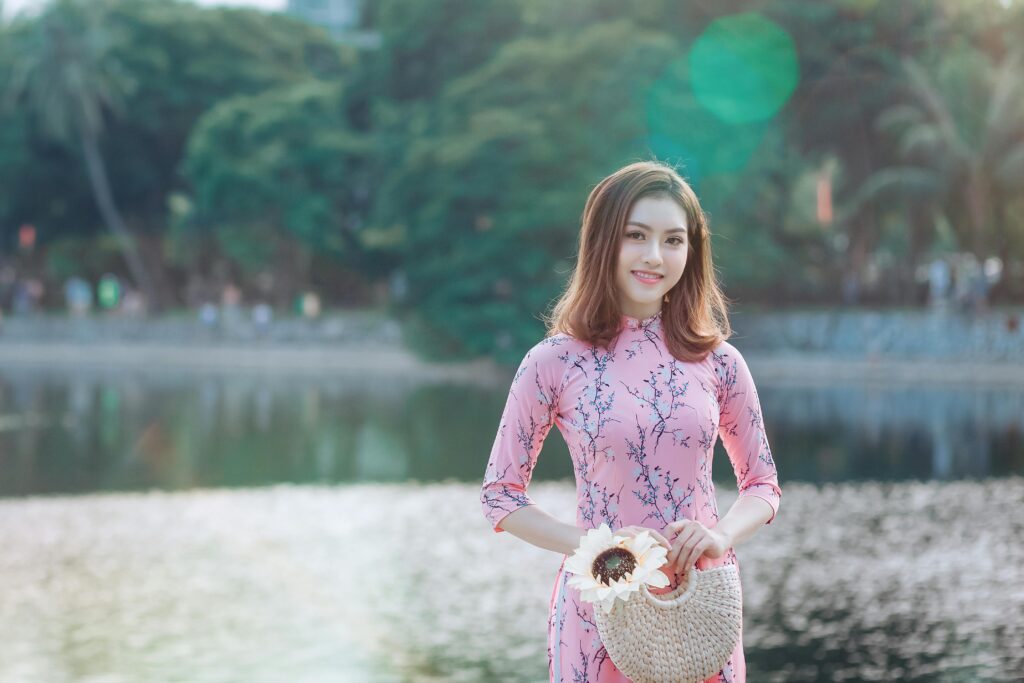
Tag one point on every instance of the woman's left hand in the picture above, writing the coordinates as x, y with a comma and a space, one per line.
692, 541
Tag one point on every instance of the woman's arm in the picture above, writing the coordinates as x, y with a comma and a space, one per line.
741, 427
537, 527
530, 412
742, 430
744, 518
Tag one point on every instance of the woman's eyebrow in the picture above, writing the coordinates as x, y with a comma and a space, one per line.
647, 227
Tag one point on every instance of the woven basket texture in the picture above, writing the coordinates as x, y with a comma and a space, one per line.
683, 636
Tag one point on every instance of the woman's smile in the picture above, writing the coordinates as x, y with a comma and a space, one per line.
646, 277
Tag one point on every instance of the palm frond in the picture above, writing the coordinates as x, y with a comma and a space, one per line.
922, 140
931, 99
63, 73
898, 118
1004, 120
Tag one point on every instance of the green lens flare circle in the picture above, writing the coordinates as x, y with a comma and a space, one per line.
743, 68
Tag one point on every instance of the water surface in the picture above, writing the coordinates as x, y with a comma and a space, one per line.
404, 582
163, 526
86, 432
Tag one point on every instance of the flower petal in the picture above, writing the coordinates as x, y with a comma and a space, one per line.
583, 582
580, 563
654, 558
657, 579
642, 541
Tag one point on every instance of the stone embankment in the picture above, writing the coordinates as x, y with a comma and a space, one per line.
807, 347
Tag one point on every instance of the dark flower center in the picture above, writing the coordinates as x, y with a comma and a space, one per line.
612, 565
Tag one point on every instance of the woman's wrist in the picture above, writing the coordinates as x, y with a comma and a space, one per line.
537, 527
727, 539
574, 537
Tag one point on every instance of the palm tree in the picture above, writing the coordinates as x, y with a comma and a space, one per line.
62, 72
962, 136
914, 191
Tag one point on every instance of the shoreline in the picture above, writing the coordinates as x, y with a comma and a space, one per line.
790, 369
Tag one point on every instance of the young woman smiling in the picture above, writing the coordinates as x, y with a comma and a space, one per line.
638, 376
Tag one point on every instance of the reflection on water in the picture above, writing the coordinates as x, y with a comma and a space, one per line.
858, 432
913, 581
82, 432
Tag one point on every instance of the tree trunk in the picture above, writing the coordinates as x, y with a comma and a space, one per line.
150, 247
97, 173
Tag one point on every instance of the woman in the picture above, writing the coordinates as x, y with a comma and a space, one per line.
637, 375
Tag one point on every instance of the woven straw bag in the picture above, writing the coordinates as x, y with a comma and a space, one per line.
683, 636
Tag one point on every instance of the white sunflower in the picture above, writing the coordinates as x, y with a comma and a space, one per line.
607, 568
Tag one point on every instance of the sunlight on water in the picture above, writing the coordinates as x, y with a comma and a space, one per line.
372, 582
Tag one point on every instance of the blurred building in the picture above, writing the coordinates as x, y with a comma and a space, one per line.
339, 17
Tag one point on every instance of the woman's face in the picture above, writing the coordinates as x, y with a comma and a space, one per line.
654, 241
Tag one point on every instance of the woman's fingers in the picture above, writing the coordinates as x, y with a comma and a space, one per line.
691, 549
694, 554
673, 530
661, 540
653, 532
692, 540
634, 530
683, 544
678, 525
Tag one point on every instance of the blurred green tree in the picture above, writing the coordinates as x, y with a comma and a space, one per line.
175, 61
489, 199
459, 154
279, 168
63, 74
963, 129
184, 59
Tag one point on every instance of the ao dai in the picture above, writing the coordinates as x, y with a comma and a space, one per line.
641, 428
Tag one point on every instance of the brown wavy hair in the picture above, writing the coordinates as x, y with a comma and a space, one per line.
694, 314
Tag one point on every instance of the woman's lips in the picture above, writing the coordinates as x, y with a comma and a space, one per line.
646, 280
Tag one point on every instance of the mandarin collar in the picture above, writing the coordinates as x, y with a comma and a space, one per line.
637, 323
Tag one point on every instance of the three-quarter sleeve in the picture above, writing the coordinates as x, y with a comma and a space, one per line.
529, 413
742, 429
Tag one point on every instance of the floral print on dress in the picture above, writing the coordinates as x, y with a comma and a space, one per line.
641, 428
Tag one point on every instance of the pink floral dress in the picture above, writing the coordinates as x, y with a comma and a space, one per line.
641, 428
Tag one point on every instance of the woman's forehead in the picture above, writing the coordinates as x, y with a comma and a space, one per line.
658, 213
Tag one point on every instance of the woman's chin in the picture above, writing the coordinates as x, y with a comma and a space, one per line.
646, 298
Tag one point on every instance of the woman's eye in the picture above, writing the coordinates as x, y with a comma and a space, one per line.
638, 235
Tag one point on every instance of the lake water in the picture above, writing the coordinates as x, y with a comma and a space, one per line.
184, 527
139, 430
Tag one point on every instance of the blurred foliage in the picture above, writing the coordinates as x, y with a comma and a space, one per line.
66, 79
280, 161
480, 243
177, 60
455, 159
